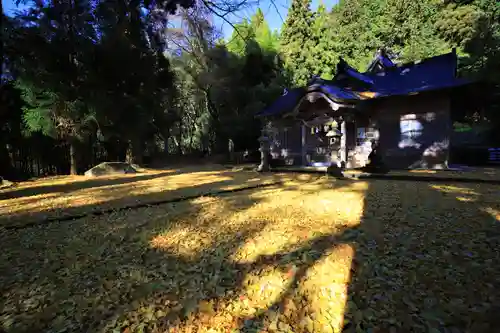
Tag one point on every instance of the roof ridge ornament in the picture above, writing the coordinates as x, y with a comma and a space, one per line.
381, 61
314, 78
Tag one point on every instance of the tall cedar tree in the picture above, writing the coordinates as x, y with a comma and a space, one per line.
297, 42
323, 52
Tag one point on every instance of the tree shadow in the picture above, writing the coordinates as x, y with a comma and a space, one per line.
433, 263
293, 262
422, 263
314, 251
82, 183
57, 207
65, 188
419, 261
83, 275
439, 178
77, 275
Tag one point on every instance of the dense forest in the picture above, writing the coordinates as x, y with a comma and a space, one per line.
85, 81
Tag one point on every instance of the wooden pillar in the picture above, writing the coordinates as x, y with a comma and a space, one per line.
303, 144
352, 163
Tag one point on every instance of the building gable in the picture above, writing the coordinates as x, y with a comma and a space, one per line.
383, 79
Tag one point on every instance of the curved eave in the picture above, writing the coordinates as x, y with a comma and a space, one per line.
312, 96
336, 96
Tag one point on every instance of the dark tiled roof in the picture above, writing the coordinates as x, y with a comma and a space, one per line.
284, 103
429, 74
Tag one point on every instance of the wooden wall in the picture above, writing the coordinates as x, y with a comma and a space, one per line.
286, 143
414, 131
424, 145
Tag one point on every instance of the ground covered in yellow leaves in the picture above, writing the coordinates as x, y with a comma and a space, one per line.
45, 199
311, 254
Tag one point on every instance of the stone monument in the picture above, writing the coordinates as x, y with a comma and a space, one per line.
264, 153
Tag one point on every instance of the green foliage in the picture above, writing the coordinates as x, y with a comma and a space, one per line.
99, 66
256, 29
238, 42
37, 112
46, 58
297, 42
409, 30
222, 87
267, 40
323, 51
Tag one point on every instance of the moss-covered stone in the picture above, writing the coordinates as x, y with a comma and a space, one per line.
109, 168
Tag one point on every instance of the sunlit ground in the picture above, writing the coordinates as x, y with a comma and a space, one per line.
41, 199
476, 173
311, 255
61, 196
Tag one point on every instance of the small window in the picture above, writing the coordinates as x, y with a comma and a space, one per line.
410, 126
411, 129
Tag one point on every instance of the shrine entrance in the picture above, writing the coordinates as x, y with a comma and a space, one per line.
322, 142
326, 130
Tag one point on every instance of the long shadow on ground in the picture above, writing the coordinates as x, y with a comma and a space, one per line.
84, 275
79, 275
433, 179
427, 260
419, 266
13, 193
32, 210
88, 183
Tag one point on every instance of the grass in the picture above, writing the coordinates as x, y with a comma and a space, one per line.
309, 255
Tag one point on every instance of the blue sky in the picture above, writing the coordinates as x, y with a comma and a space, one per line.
8, 6
275, 14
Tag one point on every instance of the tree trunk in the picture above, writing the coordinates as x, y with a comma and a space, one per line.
179, 138
177, 144
165, 134
165, 146
1, 43
73, 169
6, 165
221, 139
134, 152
